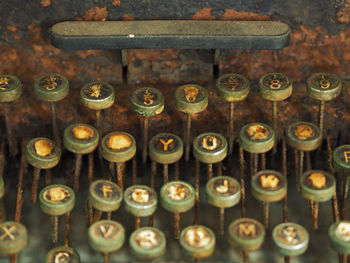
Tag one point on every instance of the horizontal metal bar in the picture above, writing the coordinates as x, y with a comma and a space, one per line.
181, 34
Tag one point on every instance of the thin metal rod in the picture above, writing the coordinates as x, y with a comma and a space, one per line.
97, 215
197, 185
296, 160
275, 124
286, 259
145, 140
55, 131
210, 171
48, 177
241, 164
67, 230
13, 258
177, 171
222, 220
36, 176
22, 169
120, 175
345, 197
315, 215
321, 116
106, 257
109, 215
137, 222
100, 131
266, 212
301, 165
263, 161
10, 136
255, 163
177, 227
219, 164
153, 184
188, 138
284, 168
111, 171
55, 229
308, 161
245, 256
165, 173
134, 170
77, 169
90, 180
231, 135
336, 215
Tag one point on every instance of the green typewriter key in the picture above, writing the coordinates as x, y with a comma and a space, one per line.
246, 235
197, 241
80, 139
304, 137
275, 87
177, 197
62, 254
268, 186
165, 148
339, 237
104, 196
232, 88
223, 192
41, 153
118, 147
147, 243
190, 99
10, 90
141, 201
56, 200
341, 164
323, 87
291, 239
106, 236
317, 186
52, 87
147, 102
13, 239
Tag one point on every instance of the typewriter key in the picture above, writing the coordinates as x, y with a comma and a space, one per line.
13, 239
41, 153
323, 87
141, 201
56, 200
245, 235
177, 197
147, 102
165, 148
275, 87
317, 186
197, 241
106, 236
268, 186
62, 254
304, 137
339, 237
190, 99
52, 87
341, 164
232, 88
223, 192
147, 243
104, 196
80, 139
2, 187
291, 239
10, 90
119, 147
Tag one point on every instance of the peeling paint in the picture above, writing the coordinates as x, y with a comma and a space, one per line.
45, 3
204, 14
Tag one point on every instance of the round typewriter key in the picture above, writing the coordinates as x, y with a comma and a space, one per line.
62, 254
339, 236
177, 197
80, 139
223, 192
268, 186
141, 201
41, 153
323, 87
2, 187
197, 241
97, 95
104, 196
246, 234
10, 90
147, 243
190, 99
147, 102
52, 87
318, 186
106, 236
341, 164
56, 200
165, 148
291, 239
118, 147
232, 88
